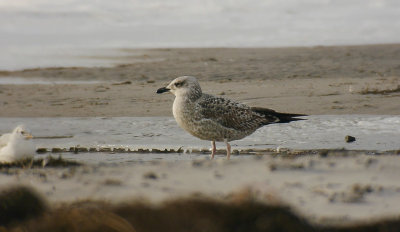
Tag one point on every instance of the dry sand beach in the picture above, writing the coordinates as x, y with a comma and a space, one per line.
323, 188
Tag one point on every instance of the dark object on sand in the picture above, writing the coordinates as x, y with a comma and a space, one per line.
349, 139
123, 83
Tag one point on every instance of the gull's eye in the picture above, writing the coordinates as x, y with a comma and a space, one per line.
178, 84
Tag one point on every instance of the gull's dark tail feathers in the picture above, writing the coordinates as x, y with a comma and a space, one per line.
276, 117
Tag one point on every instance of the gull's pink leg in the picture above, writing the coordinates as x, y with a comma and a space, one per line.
228, 150
213, 150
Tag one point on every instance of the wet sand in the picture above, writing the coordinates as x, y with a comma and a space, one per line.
319, 80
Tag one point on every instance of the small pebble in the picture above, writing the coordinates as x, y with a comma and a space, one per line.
349, 139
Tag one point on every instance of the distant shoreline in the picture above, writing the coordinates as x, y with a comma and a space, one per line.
217, 63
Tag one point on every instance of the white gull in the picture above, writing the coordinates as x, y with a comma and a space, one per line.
16, 145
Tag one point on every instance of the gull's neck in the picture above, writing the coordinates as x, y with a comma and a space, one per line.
184, 103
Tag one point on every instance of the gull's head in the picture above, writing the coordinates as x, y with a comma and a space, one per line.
23, 132
185, 86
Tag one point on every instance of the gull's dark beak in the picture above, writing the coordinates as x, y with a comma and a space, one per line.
162, 90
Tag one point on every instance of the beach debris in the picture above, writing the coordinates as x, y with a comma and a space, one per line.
150, 175
349, 139
180, 150
41, 150
154, 150
323, 153
368, 90
355, 194
78, 149
57, 162
212, 59
197, 163
101, 88
123, 83
105, 149
54, 137
58, 150
119, 150
112, 182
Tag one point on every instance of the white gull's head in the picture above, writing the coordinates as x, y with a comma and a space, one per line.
185, 86
21, 132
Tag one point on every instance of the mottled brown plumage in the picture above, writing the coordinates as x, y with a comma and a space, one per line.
215, 118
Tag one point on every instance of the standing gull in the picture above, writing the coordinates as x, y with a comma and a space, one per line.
16, 145
217, 119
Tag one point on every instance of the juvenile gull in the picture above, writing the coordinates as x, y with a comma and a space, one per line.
16, 145
215, 118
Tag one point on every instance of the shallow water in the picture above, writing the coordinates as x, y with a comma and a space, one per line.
372, 132
111, 158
